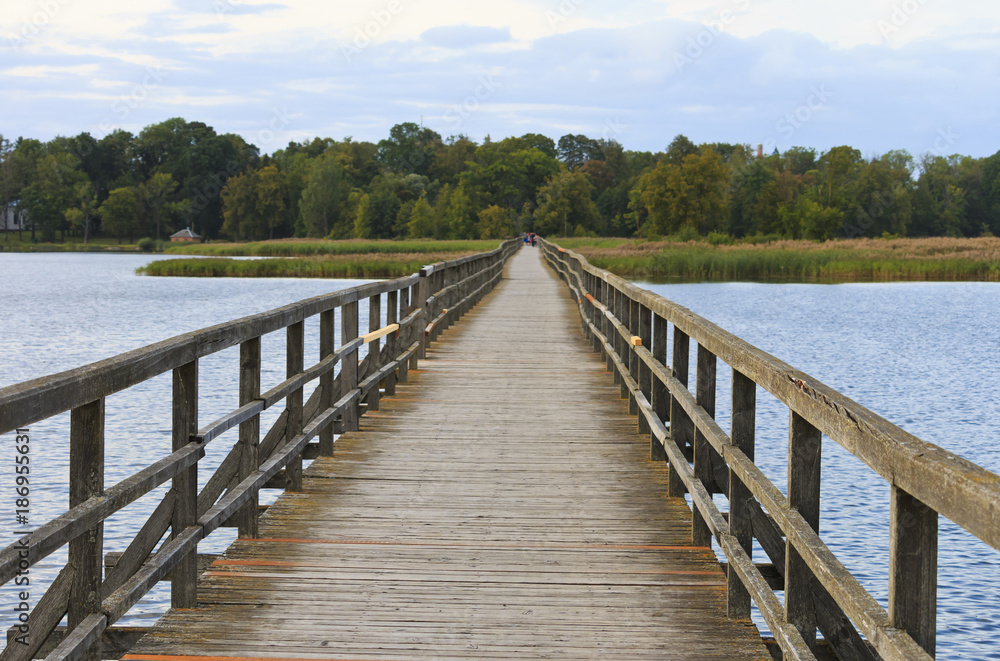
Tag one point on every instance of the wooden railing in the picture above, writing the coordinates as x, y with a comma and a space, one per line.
417, 308
632, 328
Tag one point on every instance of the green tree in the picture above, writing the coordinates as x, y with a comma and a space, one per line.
690, 196
324, 201
121, 214
422, 220
272, 198
565, 203
495, 223
157, 192
51, 193
84, 207
409, 149
241, 216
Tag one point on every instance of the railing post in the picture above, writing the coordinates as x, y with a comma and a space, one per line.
632, 321
703, 454
608, 300
744, 415
805, 449
679, 428
420, 302
349, 363
294, 364
645, 374
249, 433
184, 585
661, 397
327, 382
374, 348
913, 551
86, 552
404, 311
391, 344
616, 337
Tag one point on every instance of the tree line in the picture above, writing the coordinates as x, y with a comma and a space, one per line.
416, 184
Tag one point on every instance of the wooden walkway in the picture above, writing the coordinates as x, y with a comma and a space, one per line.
501, 506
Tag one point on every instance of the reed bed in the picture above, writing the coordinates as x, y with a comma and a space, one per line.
385, 265
855, 260
315, 247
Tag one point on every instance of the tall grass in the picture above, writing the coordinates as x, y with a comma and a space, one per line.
863, 260
314, 247
342, 266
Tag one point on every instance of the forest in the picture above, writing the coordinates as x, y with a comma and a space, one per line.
416, 184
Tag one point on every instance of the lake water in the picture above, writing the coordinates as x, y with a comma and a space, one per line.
922, 355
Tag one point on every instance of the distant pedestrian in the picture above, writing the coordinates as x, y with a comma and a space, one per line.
534, 240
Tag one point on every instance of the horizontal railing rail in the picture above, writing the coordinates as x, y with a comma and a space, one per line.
417, 308
633, 329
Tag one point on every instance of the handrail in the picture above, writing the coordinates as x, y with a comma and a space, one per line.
820, 593
93, 601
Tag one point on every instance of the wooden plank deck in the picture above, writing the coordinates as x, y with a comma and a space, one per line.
501, 506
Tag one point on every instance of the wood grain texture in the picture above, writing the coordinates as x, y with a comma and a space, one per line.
501, 506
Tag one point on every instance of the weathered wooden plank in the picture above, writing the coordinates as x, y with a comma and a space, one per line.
184, 592
294, 363
249, 432
805, 447
86, 552
913, 568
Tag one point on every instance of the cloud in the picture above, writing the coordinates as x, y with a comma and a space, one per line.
620, 71
465, 36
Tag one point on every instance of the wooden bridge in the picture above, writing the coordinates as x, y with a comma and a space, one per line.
485, 493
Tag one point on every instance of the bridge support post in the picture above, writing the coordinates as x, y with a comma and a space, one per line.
249, 433
680, 424
391, 344
349, 364
703, 453
327, 383
743, 433
913, 550
420, 302
294, 364
86, 552
374, 348
805, 448
183, 589
645, 375
660, 398
404, 311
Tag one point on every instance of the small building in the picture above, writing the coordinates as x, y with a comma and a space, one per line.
13, 219
185, 236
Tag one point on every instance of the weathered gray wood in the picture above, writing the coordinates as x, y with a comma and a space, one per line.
913, 551
115, 641
660, 398
349, 369
57, 532
79, 640
805, 447
249, 432
294, 364
430, 535
680, 426
218, 427
374, 348
129, 561
392, 340
645, 332
705, 387
327, 343
183, 591
743, 432
42, 621
86, 552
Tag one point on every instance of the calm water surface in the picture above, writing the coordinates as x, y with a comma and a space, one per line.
922, 355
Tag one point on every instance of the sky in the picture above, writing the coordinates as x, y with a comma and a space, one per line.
919, 75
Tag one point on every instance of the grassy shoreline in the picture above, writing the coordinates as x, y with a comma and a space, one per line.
854, 260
